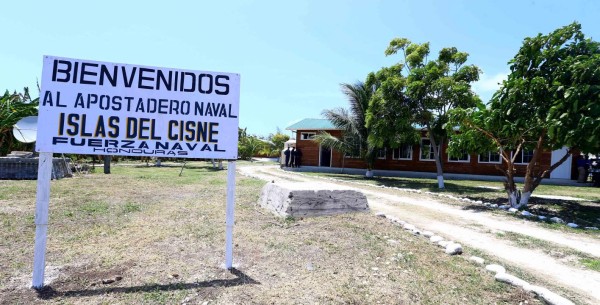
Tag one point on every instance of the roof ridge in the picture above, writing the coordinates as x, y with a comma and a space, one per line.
313, 124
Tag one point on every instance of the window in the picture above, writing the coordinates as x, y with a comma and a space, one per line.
465, 157
307, 135
524, 156
381, 153
490, 157
404, 152
427, 150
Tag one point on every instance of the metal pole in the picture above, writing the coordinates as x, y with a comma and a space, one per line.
41, 218
229, 214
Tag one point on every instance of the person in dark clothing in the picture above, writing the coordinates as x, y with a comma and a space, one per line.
595, 171
287, 154
583, 165
298, 157
293, 155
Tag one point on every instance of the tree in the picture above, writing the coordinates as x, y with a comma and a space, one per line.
550, 100
277, 142
352, 122
422, 98
14, 107
248, 145
279, 139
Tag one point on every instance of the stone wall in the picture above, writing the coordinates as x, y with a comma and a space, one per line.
27, 168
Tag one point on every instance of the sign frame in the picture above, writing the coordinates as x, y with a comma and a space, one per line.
46, 151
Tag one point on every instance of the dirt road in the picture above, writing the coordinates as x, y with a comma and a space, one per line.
479, 230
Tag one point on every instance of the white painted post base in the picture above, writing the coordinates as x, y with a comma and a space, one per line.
440, 180
229, 214
41, 218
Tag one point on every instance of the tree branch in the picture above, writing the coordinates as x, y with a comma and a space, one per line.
539, 178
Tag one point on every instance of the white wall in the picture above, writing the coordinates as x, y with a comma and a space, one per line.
564, 170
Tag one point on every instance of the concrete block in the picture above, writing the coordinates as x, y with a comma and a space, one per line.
311, 199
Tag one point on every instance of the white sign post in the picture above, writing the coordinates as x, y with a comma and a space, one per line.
41, 217
91, 107
229, 219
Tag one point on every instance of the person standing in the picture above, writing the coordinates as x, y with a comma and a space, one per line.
582, 168
287, 154
293, 155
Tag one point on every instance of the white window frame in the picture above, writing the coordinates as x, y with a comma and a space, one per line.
384, 150
307, 135
431, 151
410, 150
459, 160
489, 153
522, 154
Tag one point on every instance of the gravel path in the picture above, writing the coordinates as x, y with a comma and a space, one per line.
475, 229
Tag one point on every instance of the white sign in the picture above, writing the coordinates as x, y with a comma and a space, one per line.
91, 107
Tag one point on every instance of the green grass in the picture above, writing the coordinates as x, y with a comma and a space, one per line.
94, 207
591, 263
584, 213
524, 241
145, 223
131, 207
468, 187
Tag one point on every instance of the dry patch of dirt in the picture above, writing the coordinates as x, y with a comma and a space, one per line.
476, 229
147, 236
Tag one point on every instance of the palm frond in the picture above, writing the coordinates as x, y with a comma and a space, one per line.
358, 95
329, 141
341, 119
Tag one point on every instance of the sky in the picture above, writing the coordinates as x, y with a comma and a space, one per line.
292, 55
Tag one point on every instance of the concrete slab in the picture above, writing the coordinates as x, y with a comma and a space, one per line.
308, 199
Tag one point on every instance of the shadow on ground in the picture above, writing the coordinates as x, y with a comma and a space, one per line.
419, 184
48, 292
584, 213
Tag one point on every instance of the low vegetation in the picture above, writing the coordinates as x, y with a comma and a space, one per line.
146, 235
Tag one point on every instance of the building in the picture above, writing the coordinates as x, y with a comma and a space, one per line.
417, 158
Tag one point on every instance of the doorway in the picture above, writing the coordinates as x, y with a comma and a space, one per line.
324, 156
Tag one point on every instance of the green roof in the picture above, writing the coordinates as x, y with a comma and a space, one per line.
312, 124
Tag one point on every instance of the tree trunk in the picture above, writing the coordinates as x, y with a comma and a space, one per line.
524, 199
369, 173
527, 184
514, 195
438, 161
530, 183
513, 198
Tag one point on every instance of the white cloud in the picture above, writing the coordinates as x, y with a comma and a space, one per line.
489, 83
